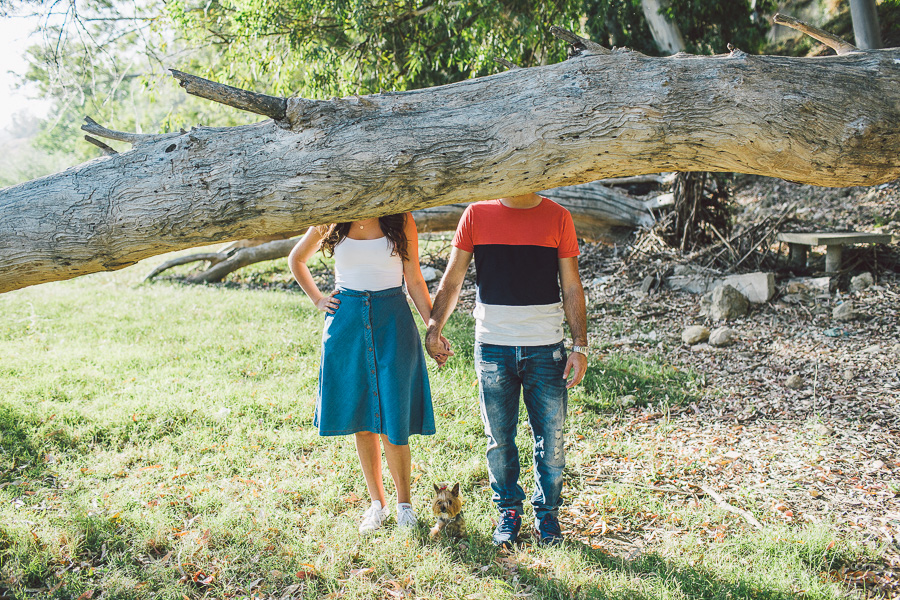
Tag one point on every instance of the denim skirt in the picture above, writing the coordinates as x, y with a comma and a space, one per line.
373, 375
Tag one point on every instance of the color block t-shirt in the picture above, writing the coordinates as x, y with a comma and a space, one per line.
517, 252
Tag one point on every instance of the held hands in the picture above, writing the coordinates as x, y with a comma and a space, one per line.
576, 365
438, 347
329, 303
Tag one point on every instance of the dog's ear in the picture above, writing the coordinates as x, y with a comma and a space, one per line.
456, 489
437, 490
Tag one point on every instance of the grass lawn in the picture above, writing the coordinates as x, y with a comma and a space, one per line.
156, 441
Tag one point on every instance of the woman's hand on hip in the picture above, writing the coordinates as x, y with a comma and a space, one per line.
329, 303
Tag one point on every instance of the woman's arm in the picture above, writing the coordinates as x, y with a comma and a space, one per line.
297, 259
412, 272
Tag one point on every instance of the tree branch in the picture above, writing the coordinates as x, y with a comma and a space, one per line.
506, 63
92, 126
212, 257
832, 41
103, 147
270, 106
579, 43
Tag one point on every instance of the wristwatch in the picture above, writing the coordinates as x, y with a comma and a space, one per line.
581, 349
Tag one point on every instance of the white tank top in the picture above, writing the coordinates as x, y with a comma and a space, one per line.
367, 265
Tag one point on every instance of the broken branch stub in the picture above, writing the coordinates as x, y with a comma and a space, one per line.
579, 45
93, 127
837, 44
273, 107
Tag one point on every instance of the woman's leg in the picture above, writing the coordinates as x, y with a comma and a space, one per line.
399, 462
368, 449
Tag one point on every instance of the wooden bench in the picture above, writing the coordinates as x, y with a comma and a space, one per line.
799, 243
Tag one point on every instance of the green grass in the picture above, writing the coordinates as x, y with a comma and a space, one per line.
156, 442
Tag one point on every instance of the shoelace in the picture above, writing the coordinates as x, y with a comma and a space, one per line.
550, 527
508, 520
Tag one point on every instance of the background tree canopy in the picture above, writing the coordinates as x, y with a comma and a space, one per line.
109, 58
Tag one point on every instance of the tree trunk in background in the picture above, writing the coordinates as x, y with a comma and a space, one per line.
665, 32
865, 24
828, 121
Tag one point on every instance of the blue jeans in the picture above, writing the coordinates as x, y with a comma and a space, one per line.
537, 371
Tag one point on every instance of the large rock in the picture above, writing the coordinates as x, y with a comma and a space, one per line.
724, 303
693, 279
756, 287
812, 286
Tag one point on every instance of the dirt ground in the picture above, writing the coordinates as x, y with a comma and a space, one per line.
823, 446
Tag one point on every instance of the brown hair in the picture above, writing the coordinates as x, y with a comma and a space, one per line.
391, 225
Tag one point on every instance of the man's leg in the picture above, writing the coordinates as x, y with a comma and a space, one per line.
546, 400
499, 386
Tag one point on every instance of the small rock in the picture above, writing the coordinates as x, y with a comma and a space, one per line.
861, 282
221, 414
843, 312
795, 382
896, 349
849, 374
727, 303
722, 336
648, 282
626, 401
822, 429
733, 455
598, 281
876, 465
431, 274
695, 334
873, 349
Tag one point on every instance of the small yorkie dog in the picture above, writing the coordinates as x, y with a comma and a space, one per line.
448, 509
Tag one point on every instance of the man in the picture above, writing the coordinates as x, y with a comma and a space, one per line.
525, 252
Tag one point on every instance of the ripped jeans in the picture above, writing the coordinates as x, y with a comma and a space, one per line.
538, 372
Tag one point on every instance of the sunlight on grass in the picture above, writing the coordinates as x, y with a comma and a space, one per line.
157, 442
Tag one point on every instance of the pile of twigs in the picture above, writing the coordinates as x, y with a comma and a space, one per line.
700, 215
749, 248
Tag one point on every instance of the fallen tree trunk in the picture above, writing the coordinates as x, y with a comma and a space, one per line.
826, 121
600, 214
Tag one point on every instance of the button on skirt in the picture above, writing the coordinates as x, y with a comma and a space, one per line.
373, 375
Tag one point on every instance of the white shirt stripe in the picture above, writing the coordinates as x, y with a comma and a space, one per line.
533, 325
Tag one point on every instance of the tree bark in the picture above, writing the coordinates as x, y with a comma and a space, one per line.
826, 121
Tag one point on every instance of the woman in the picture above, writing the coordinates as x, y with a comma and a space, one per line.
372, 380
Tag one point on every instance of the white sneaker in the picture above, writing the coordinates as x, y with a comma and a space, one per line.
406, 517
373, 517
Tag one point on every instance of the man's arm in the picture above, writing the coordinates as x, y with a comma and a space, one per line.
576, 316
444, 304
